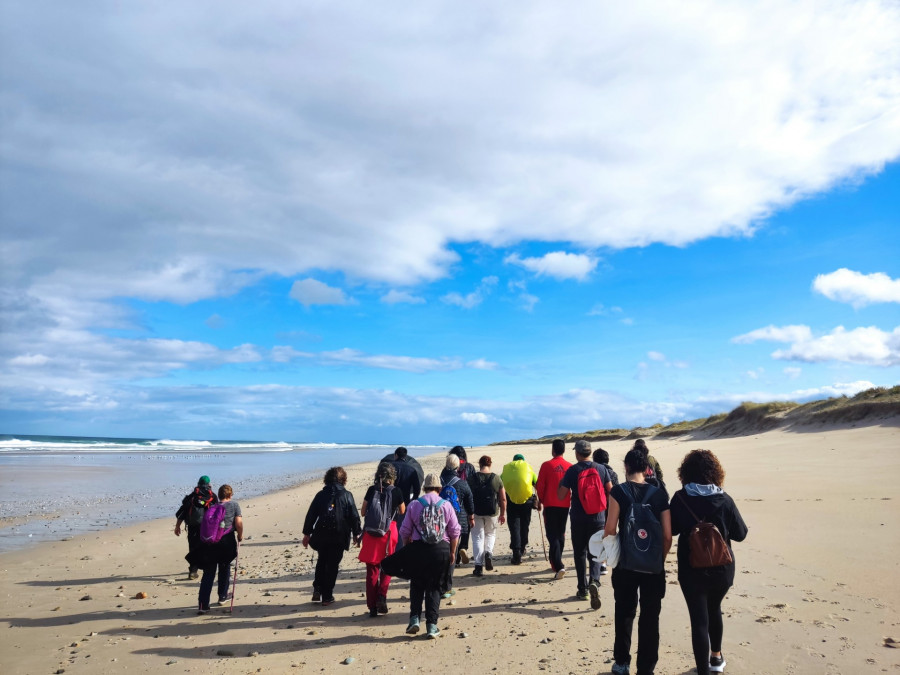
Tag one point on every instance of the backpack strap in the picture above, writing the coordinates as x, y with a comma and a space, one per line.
453, 481
691, 511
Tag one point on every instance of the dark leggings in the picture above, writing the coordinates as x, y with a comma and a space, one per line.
704, 605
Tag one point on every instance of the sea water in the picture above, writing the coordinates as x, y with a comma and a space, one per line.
52, 487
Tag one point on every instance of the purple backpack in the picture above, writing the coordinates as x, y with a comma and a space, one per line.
212, 529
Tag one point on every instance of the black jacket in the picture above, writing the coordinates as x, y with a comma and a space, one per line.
347, 518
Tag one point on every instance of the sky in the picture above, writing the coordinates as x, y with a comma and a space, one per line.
440, 223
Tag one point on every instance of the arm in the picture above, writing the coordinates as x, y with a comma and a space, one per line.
666, 522
239, 527
453, 544
612, 519
178, 527
502, 498
362, 511
562, 492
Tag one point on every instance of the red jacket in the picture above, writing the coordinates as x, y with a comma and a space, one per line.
548, 482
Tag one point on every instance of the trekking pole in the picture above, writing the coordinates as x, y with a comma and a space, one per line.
234, 581
543, 545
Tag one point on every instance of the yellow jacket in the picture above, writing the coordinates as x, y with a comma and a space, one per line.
518, 479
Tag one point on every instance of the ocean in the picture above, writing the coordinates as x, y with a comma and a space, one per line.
52, 487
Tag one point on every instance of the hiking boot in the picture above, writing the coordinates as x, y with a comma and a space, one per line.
477, 571
620, 669
203, 610
432, 630
717, 664
317, 595
327, 601
463, 557
488, 562
516, 558
381, 604
603, 570
594, 590
582, 595
413, 626
560, 573
373, 612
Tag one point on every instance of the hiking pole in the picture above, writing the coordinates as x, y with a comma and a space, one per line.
543, 545
234, 581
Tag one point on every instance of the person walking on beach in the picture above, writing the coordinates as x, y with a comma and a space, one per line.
331, 521
466, 469
466, 515
638, 512
556, 509
217, 555
519, 480
379, 539
589, 484
490, 502
409, 479
654, 470
191, 511
601, 457
702, 499
432, 523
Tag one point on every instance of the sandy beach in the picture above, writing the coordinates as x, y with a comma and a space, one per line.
815, 590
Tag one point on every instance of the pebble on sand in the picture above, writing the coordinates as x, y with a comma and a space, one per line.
140, 596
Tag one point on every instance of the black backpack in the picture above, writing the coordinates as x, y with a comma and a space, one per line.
379, 512
640, 535
483, 494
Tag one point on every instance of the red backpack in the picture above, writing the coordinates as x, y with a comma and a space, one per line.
591, 491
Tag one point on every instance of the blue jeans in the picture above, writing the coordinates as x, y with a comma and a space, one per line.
206, 582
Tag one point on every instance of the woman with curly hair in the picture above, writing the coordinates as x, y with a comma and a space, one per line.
330, 521
386, 500
702, 499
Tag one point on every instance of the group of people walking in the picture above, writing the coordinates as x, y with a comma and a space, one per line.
419, 527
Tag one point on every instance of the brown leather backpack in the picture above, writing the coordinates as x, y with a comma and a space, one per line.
708, 547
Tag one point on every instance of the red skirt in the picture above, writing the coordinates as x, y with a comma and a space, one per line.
374, 549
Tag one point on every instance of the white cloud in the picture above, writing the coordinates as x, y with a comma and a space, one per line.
395, 297
479, 418
868, 346
775, 334
558, 264
474, 298
309, 292
656, 356
528, 301
792, 372
354, 357
601, 310
857, 289
29, 360
482, 364
215, 322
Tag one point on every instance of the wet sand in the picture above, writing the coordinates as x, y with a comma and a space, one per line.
815, 590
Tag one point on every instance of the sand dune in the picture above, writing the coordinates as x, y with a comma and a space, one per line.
816, 588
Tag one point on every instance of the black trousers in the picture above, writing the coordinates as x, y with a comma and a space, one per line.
327, 570
555, 518
581, 535
518, 520
629, 588
425, 584
704, 603
463, 544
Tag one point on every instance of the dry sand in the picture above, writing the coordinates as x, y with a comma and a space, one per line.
816, 588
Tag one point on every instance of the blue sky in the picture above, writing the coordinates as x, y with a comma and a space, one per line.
440, 225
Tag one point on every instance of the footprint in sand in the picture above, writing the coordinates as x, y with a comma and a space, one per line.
765, 618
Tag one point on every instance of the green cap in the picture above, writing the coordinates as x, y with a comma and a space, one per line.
518, 457
204, 480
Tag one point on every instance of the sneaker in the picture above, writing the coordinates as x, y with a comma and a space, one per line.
582, 595
413, 626
560, 573
373, 612
432, 630
594, 589
203, 610
477, 571
603, 570
717, 664
516, 558
381, 605
327, 601
193, 575
463, 556
317, 596
488, 562
620, 669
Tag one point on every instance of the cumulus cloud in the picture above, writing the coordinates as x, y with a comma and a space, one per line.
472, 299
558, 264
857, 289
395, 297
792, 372
868, 345
309, 292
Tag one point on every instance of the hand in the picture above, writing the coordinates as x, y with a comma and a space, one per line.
471, 522
502, 518
178, 529
240, 537
305, 541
